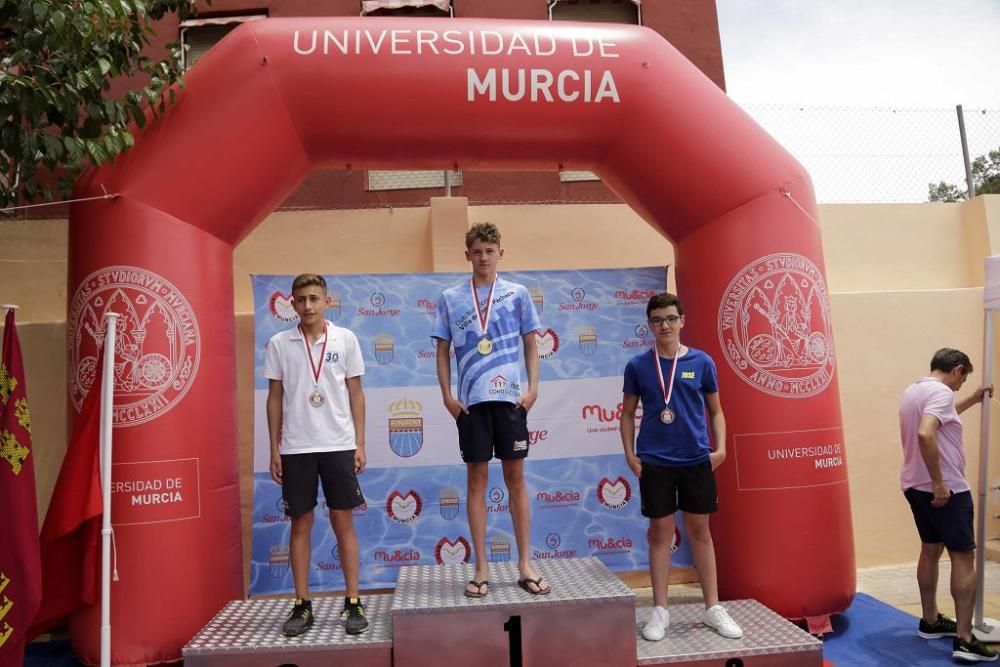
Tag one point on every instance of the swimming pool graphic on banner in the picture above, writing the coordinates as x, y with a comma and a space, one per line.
584, 499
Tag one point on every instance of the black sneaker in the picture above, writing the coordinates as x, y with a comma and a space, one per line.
972, 650
942, 627
300, 620
356, 620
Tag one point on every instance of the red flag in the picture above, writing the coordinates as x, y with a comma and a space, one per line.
20, 570
71, 534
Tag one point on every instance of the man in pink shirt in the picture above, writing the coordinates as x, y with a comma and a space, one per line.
933, 481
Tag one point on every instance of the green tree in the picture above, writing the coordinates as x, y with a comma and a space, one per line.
57, 61
985, 179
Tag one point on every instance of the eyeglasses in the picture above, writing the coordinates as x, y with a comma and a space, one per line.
670, 320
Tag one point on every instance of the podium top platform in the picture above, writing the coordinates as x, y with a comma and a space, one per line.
429, 589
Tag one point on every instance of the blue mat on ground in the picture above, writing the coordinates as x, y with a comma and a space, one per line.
56, 653
872, 633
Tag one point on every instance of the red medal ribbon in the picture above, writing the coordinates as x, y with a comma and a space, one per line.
667, 391
316, 368
483, 318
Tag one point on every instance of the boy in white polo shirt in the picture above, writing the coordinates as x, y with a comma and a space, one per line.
316, 423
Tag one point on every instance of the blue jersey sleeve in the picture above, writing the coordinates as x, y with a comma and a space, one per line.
709, 378
442, 322
631, 383
529, 316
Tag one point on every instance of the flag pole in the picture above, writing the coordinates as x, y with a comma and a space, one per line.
107, 404
985, 629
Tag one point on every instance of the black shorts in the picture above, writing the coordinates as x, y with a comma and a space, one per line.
301, 474
951, 524
493, 427
666, 489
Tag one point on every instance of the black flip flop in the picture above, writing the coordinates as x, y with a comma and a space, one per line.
479, 588
526, 585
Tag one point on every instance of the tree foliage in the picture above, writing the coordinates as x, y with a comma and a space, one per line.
57, 61
985, 179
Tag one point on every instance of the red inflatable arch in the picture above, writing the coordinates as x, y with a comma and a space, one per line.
280, 97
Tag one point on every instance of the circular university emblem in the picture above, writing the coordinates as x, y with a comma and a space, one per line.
157, 343
774, 326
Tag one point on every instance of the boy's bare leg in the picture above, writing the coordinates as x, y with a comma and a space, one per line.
300, 552
661, 536
520, 514
703, 555
477, 477
342, 522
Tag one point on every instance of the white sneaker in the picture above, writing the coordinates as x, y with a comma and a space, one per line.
656, 626
718, 618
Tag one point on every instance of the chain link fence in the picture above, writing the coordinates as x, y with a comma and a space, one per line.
873, 155
854, 155
863, 155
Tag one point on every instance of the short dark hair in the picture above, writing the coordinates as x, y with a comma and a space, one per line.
664, 300
308, 280
486, 232
946, 359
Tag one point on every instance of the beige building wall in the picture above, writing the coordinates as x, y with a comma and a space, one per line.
904, 279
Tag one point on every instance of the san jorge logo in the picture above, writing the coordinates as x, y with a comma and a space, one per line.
157, 341
614, 494
774, 326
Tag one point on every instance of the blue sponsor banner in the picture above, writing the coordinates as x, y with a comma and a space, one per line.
584, 499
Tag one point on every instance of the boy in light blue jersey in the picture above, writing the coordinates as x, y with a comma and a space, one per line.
488, 320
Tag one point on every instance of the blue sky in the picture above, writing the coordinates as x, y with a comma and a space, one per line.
910, 53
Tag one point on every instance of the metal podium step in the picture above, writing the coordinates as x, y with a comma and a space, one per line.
247, 633
587, 619
768, 639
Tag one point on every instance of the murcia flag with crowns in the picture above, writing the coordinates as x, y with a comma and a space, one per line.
20, 566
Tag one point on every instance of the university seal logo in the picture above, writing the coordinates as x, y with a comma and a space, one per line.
774, 326
157, 342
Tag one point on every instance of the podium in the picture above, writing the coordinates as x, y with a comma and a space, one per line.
247, 633
589, 618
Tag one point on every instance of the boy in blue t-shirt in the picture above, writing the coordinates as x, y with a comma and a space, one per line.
488, 319
672, 457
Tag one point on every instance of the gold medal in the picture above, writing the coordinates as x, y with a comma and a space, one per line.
484, 346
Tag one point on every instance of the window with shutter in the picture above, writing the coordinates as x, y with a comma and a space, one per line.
197, 36
596, 11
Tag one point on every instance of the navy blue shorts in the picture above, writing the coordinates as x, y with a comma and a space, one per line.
665, 489
303, 473
951, 524
493, 428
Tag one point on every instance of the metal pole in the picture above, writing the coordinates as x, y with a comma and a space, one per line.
965, 152
107, 403
447, 183
984, 439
